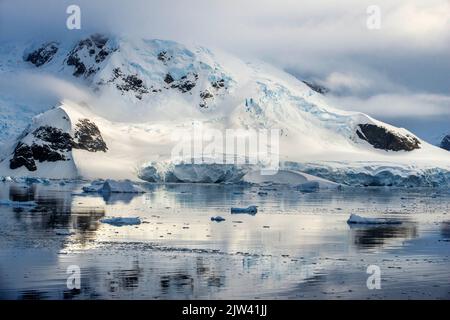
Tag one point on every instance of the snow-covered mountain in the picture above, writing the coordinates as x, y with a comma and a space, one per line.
132, 94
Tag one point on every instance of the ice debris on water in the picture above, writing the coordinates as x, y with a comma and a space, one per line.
217, 219
112, 186
120, 221
63, 232
249, 210
355, 219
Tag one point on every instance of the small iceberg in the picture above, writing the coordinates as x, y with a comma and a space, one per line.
217, 219
119, 221
16, 204
249, 210
6, 179
112, 186
355, 219
63, 232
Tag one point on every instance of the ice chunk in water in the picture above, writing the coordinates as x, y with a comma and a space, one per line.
119, 221
249, 210
217, 219
355, 219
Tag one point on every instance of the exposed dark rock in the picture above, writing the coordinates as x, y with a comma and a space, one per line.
58, 139
52, 143
45, 153
218, 84
164, 56
186, 83
95, 46
382, 138
88, 137
168, 79
42, 55
317, 88
129, 83
74, 60
23, 156
445, 143
205, 95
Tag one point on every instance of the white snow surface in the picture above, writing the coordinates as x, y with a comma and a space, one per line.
138, 127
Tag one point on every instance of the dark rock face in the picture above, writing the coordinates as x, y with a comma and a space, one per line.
58, 139
168, 79
95, 46
88, 137
185, 84
445, 143
205, 95
164, 57
23, 156
381, 138
128, 83
218, 84
52, 143
317, 88
42, 55
45, 153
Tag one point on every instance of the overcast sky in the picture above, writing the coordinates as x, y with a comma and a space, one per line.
399, 73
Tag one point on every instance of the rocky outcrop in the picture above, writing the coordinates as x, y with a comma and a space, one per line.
185, 84
164, 57
129, 82
42, 55
315, 87
382, 138
88, 137
55, 137
93, 47
23, 156
52, 144
445, 143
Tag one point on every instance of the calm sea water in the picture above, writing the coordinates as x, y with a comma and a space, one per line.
298, 245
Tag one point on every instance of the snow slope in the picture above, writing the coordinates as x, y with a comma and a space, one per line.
138, 92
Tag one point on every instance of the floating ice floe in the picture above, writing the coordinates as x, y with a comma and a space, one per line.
119, 221
63, 232
249, 210
11, 203
112, 186
6, 179
355, 219
217, 219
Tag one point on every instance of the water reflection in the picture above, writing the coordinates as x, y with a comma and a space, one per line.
374, 236
298, 245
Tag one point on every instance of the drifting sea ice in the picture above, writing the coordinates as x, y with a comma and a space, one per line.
119, 221
217, 219
355, 219
249, 210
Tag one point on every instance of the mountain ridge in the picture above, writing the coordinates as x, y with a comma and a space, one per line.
167, 82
